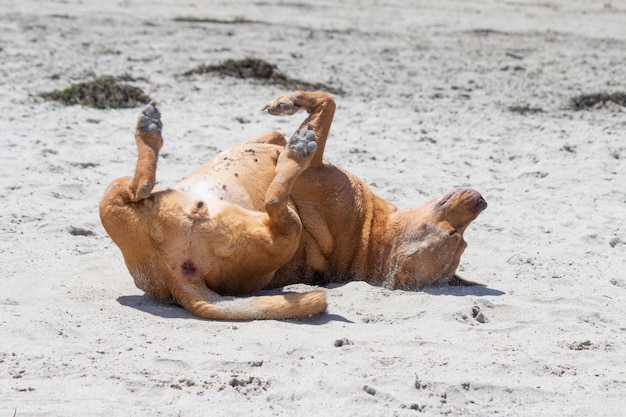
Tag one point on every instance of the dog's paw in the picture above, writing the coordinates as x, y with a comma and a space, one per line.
303, 142
282, 106
149, 120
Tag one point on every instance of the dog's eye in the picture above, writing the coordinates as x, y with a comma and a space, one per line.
452, 232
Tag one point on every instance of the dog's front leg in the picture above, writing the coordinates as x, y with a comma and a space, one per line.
321, 109
292, 161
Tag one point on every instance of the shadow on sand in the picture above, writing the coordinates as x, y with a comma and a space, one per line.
462, 290
171, 311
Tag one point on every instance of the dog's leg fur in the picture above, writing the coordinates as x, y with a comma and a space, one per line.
149, 143
294, 158
321, 109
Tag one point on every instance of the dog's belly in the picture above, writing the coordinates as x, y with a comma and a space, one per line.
206, 189
239, 176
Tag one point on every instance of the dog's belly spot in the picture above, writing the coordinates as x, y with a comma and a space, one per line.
188, 268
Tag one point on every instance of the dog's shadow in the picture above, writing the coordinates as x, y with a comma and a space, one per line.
462, 290
149, 305
171, 311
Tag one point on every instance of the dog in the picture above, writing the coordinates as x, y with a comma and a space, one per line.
268, 213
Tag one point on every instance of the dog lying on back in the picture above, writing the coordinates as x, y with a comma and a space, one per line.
269, 213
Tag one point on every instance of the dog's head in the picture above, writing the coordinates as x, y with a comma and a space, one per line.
429, 239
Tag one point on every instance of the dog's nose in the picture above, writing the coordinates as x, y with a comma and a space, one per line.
481, 204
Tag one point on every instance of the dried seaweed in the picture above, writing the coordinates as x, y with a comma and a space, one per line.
524, 109
238, 20
105, 92
587, 101
259, 70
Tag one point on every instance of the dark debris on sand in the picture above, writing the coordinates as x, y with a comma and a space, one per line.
588, 101
106, 92
259, 70
525, 109
234, 21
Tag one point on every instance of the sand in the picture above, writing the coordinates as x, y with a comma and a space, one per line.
438, 94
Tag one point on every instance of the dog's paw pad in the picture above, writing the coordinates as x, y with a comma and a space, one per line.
303, 142
150, 119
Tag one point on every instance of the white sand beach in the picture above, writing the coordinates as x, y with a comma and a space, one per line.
437, 94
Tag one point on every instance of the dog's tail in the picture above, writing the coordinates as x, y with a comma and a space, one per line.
209, 305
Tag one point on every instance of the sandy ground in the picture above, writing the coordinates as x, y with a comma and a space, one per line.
429, 90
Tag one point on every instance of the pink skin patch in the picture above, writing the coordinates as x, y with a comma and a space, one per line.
188, 268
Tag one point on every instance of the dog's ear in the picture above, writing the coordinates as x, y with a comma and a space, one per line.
446, 228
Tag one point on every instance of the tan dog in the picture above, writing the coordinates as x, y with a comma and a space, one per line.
269, 213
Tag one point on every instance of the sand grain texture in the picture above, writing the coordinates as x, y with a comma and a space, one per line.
437, 95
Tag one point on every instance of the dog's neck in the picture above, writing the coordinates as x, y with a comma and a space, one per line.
374, 255
391, 230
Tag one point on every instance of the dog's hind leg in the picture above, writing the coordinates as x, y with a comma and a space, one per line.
126, 190
321, 109
149, 143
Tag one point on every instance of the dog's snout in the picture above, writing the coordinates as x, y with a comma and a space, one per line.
480, 202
